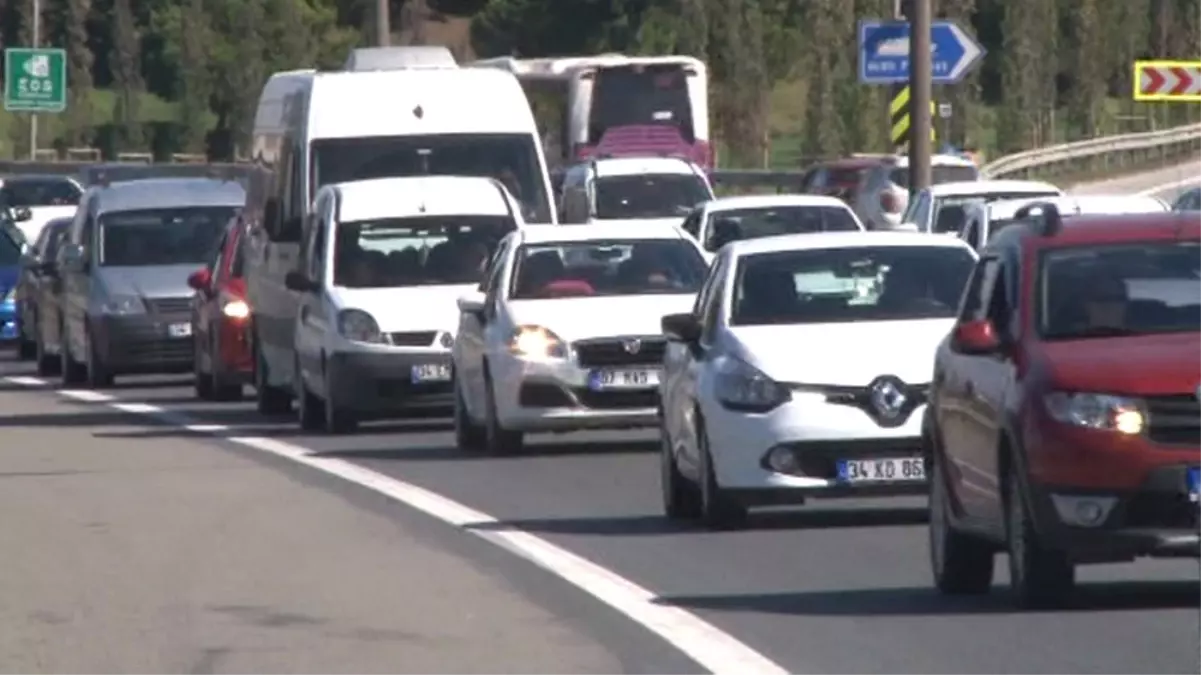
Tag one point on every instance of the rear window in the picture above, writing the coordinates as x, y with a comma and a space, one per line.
754, 223
844, 176
32, 192
641, 95
938, 175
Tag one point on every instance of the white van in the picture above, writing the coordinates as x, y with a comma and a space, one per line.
319, 128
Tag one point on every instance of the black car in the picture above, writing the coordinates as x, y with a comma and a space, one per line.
37, 288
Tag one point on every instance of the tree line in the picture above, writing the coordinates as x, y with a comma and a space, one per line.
1056, 70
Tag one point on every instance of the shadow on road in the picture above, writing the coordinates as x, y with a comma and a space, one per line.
446, 453
1116, 596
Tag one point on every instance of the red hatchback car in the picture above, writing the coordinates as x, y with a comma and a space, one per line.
1064, 425
220, 319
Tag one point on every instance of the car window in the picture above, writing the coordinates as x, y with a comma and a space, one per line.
607, 268
58, 233
862, 283
939, 174
770, 221
38, 191
649, 195
175, 236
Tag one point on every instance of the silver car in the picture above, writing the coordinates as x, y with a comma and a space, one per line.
125, 264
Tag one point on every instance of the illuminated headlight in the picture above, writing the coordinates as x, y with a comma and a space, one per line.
742, 387
358, 326
537, 342
123, 305
1097, 411
236, 309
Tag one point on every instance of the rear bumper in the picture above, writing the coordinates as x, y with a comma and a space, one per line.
142, 344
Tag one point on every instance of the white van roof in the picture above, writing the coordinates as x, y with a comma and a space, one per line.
425, 101
422, 196
394, 58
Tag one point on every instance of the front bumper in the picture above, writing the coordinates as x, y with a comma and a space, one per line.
560, 395
796, 451
143, 343
385, 382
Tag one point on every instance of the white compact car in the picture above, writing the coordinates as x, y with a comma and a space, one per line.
802, 370
983, 221
624, 188
721, 221
382, 264
943, 208
883, 193
564, 332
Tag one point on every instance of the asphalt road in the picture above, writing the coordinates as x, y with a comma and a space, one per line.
835, 587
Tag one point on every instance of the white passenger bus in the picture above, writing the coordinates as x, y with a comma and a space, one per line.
617, 105
311, 129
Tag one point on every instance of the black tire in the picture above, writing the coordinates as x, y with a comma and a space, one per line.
338, 418
498, 441
98, 374
310, 412
719, 511
268, 400
469, 436
201, 381
27, 350
961, 564
48, 364
681, 497
71, 372
220, 389
1039, 577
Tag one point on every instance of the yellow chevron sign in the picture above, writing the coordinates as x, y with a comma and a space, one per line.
898, 115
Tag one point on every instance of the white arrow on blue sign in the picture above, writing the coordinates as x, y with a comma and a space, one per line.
884, 52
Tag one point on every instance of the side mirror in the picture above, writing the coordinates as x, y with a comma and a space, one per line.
201, 280
72, 257
297, 281
22, 214
473, 304
975, 338
681, 328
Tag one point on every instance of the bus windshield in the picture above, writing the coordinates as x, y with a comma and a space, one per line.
636, 95
510, 158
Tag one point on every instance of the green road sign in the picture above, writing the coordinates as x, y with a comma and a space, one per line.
35, 80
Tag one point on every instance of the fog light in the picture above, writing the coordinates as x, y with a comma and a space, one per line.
1083, 511
782, 460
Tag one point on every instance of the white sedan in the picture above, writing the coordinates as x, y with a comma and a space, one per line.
942, 208
564, 332
802, 370
720, 221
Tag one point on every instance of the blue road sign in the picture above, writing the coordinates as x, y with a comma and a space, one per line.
884, 52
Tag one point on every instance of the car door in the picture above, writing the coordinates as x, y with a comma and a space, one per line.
205, 310
689, 370
50, 289
675, 365
77, 281
309, 336
469, 343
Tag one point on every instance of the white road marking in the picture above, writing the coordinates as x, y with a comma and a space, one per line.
712, 648
1166, 187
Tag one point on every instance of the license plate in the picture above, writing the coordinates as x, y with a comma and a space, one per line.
179, 330
643, 378
1194, 485
881, 470
431, 372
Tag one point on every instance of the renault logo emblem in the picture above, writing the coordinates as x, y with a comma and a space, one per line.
887, 396
632, 346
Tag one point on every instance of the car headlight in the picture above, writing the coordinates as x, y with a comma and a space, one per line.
538, 343
10, 295
123, 305
236, 309
742, 387
1097, 411
358, 326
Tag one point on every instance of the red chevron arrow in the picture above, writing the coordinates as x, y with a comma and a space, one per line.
1184, 81
1152, 80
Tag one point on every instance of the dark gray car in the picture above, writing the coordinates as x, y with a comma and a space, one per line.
125, 264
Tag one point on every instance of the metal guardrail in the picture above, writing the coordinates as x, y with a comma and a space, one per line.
1101, 156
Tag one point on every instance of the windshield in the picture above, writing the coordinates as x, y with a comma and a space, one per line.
663, 195
161, 236
423, 251
511, 158
641, 95
55, 230
865, 283
607, 268
939, 174
31, 192
1131, 289
10, 250
753, 223
950, 212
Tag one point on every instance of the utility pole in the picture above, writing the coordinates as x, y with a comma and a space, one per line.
33, 117
383, 25
920, 75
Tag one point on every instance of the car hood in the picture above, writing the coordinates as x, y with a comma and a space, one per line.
581, 318
1148, 365
843, 354
39, 216
148, 281
418, 308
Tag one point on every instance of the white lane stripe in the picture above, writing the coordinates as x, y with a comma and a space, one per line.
715, 650
1167, 187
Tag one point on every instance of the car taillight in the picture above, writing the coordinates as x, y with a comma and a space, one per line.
890, 202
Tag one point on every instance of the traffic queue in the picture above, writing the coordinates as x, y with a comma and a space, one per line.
1026, 358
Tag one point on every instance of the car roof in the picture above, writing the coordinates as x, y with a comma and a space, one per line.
1115, 229
420, 196
766, 201
632, 166
1080, 204
827, 240
166, 193
609, 229
984, 187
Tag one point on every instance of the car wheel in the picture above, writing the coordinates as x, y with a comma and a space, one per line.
338, 418
71, 371
681, 498
268, 400
26, 349
309, 411
719, 511
1039, 577
221, 390
497, 439
48, 364
469, 436
98, 375
962, 564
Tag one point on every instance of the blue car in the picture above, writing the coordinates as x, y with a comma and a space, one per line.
10, 265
